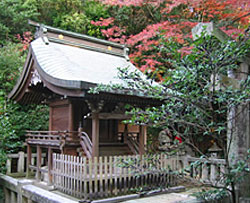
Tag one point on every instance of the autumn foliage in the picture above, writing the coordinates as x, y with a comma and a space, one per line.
142, 24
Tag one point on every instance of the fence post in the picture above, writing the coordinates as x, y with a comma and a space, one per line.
8, 165
85, 178
50, 165
101, 175
222, 172
20, 164
185, 161
6, 195
13, 197
204, 173
29, 160
90, 172
38, 162
213, 174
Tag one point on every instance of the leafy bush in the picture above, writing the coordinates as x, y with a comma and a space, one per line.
72, 15
11, 62
14, 15
14, 118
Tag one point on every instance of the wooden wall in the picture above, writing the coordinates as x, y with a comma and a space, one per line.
59, 115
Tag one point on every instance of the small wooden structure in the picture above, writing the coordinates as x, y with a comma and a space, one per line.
60, 69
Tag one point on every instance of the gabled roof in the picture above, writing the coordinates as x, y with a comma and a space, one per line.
68, 64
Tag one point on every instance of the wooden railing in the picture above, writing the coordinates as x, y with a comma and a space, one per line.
105, 177
131, 139
51, 138
86, 144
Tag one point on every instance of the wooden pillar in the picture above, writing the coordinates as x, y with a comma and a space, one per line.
71, 117
50, 165
38, 162
142, 135
114, 130
125, 134
95, 134
28, 161
145, 136
71, 122
50, 118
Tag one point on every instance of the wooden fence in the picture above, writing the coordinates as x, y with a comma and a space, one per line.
110, 176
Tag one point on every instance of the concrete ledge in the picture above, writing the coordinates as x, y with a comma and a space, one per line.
43, 196
9, 182
26, 188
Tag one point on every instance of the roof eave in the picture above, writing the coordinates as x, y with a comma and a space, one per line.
23, 78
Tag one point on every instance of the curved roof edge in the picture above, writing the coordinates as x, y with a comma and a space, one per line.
54, 84
22, 80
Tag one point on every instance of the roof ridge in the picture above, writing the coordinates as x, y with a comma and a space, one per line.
52, 34
77, 35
